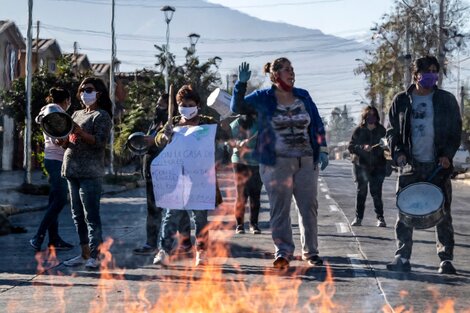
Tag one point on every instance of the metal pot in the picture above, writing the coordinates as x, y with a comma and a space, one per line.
137, 144
55, 123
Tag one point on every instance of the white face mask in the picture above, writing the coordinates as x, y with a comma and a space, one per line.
188, 112
88, 98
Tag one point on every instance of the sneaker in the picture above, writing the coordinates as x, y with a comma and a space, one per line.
357, 222
183, 250
162, 258
201, 258
240, 229
399, 264
92, 264
34, 242
446, 267
254, 229
76, 261
145, 249
281, 263
381, 222
60, 245
315, 261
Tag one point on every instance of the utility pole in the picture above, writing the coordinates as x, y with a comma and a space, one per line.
112, 90
442, 43
29, 78
75, 58
462, 101
36, 57
407, 57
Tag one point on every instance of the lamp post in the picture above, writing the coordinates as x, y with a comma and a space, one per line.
168, 11
193, 39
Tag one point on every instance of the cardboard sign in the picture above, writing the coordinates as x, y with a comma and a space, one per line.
183, 174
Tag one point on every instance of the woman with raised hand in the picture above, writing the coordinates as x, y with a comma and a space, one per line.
291, 148
84, 167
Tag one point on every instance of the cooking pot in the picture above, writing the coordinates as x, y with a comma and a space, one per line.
55, 123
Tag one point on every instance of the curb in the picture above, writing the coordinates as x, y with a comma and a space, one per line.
9, 209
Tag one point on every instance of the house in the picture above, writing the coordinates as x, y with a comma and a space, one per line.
11, 45
45, 52
79, 61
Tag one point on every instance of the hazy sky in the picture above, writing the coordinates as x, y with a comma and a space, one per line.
343, 18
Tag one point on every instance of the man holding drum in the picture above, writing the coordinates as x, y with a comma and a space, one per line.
424, 135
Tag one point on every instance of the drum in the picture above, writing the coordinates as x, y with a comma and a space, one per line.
420, 205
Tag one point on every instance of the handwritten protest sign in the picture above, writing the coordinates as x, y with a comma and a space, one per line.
183, 174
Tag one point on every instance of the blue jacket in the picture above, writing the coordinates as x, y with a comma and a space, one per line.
264, 102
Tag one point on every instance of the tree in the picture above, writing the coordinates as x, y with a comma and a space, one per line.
416, 28
13, 100
340, 126
144, 92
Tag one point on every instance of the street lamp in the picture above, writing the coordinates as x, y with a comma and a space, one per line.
193, 39
168, 11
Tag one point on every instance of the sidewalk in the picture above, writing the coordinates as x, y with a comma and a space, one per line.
14, 202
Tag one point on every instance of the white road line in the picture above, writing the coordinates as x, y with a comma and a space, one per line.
327, 196
357, 264
323, 189
333, 208
342, 228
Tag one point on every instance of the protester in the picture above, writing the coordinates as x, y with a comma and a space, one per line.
188, 101
424, 133
246, 168
290, 147
84, 167
368, 164
154, 213
58, 99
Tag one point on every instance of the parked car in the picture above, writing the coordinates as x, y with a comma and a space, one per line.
461, 161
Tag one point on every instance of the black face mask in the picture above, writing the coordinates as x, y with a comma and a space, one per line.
246, 121
161, 115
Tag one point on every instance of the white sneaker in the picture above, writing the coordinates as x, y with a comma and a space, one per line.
162, 258
76, 261
201, 258
92, 263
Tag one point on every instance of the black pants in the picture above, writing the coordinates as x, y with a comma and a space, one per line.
420, 172
249, 185
369, 178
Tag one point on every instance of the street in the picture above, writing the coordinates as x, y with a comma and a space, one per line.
240, 277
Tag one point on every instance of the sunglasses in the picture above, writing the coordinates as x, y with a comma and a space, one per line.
87, 89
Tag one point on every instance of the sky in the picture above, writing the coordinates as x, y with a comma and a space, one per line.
343, 18
140, 25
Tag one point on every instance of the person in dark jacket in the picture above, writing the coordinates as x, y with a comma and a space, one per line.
424, 133
368, 164
154, 213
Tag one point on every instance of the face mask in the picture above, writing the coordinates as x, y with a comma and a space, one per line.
371, 119
428, 80
283, 85
88, 98
188, 112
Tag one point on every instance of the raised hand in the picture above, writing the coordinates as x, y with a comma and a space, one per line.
244, 72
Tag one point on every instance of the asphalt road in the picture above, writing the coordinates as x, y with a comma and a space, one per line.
240, 277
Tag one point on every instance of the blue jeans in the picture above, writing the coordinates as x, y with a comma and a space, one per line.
170, 224
85, 194
57, 201
154, 221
